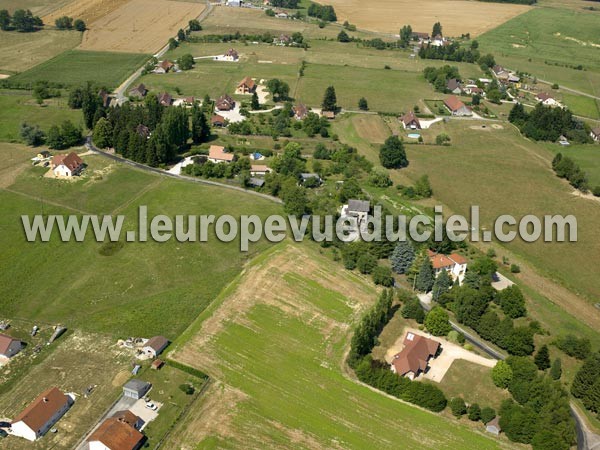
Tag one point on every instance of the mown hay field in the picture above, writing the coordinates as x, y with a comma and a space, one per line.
274, 341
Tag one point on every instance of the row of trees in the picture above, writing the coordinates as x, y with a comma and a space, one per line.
565, 167
67, 23
451, 52
439, 76
22, 20
61, 137
323, 12
586, 385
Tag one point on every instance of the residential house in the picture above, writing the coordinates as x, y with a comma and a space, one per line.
165, 99
356, 213
456, 107
35, 420
155, 346
9, 346
414, 357
493, 426
410, 121
328, 114
283, 39
234, 3
300, 111
189, 101
138, 91
67, 165
256, 182
259, 169
595, 134
282, 15
304, 177
547, 99
246, 86
439, 41
115, 434
500, 72
453, 86
136, 388
129, 418
225, 103
472, 89
218, 154
421, 37
218, 121
164, 66
454, 264
231, 55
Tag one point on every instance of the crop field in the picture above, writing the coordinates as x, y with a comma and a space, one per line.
17, 107
75, 67
457, 17
78, 361
21, 51
546, 42
139, 26
277, 357
87, 10
157, 288
38, 7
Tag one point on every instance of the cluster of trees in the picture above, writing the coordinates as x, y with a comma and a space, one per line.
377, 373
290, 4
439, 76
451, 52
67, 23
545, 123
566, 168
186, 62
539, 413
194, 25
266, 37
474, 411
22, 20
392, 154
58, 137
323, 12
586, 385
421, 189
579, 348
207, 169
32, 135
280, 90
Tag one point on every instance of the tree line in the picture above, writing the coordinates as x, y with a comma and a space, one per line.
22, 21
565, 167
324, 12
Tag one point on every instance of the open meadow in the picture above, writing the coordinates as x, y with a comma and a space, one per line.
274, 341
129, 289
457, 17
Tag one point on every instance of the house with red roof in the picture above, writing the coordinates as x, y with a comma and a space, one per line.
410, 121
547, 99
218, 154
456, 107
115, 434
67, 165
246, 86
454, 264
414, 357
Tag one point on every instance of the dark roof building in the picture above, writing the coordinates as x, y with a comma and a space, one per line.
412, 360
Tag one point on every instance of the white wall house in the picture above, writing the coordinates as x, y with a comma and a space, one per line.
454, 264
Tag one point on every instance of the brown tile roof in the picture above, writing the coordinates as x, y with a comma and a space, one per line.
165, 99
259, 168
596, 131
157, 343
543, 96
72, 161
167, 65
42, 409
409, 118
127, 417
117, 435
300, 110
231, 52
413, 357
218, 152
225, 102
439, 261
217, 119
5, 342
454, 103
452, 84
248, 82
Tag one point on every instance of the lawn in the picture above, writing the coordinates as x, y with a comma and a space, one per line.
143, 288
582, 106
17, 107
545, 42
277, 357
76, 67
21, 51
587, 156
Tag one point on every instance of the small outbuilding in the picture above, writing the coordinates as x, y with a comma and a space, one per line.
493, 426
136, 388
155, 346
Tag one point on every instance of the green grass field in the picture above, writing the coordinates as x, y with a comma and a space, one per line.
17, 107
277, 356
143, 288
543, 41
76, 67
587, 156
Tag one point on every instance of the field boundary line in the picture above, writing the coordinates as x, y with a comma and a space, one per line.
49, 202
125, 204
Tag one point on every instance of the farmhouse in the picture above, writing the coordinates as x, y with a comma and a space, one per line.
165, 99
283, 39
231, 55
258, 169
300, 111
328, 114
454, 264
9, 346
413, 359
155, 346
547, 99
138, 91
500, 72
136, 388
421, 37
225, 103
106, 99
115, 434
453, 86
246, 86
456, 107
41, 414
595, 134
472, 89
66, 165
164, 66
217, 154
410, 121
493, 426
218, 121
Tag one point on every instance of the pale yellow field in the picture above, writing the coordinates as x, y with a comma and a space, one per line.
87, 10
456, 16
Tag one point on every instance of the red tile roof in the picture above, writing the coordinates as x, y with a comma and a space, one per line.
409, 118
127, 417
453, 103
72, 161
439, 261
117, 435
543, 96
218, 152
413, 357
248, 82
42, 409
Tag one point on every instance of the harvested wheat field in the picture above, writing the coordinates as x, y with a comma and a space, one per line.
88, 10
456, 16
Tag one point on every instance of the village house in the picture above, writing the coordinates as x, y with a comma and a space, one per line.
414, 357
300, 111
355, 213
217, 154
9, 346
231, 55
259, 169
218, 121
164, 66
138, 91
283, 39
165, 99
421, 37
328, 114
41, 414
155, 346
67, 165
595, 134
456, 107
454, 264
410, 121
136, 389
472, 89
106, 99
439, 41
246, 86
129, 418
115, 434
493, 426
189, 101
453, 86
225, 103
305, 176
282, 15
547, 99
